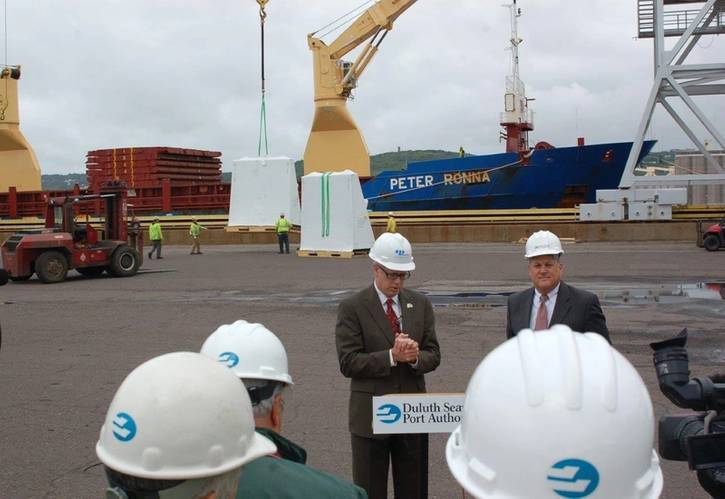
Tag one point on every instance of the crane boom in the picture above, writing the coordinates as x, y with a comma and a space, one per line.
335, 142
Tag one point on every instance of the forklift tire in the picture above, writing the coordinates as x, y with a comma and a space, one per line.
51, 266
20, 278
711, 243
91, 271
125, 262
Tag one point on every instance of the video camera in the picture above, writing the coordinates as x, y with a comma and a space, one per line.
696, 438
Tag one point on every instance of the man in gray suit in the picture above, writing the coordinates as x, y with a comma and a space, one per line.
551, 301
386, 341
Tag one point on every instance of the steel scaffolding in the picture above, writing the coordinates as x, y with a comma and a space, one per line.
673, 78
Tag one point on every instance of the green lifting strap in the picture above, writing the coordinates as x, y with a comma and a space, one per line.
263, 130
325, 202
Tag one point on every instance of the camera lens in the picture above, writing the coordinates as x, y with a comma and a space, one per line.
672, 365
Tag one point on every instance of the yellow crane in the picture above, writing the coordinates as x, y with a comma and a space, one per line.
18, 165
335, 142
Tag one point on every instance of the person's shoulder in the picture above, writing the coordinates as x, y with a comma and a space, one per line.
519, 295
358, 296
414, 296
322, 484
411, 293
575, 292
286, 479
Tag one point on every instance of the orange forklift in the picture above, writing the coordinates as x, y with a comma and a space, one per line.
67, 244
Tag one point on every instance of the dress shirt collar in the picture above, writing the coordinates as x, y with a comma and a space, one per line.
551, 294
384, 299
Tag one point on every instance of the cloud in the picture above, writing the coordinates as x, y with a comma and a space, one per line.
114, 73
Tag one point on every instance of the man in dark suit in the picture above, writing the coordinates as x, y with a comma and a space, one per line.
551, 301
386, 341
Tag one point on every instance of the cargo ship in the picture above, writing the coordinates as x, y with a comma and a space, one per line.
560, 177
523, 177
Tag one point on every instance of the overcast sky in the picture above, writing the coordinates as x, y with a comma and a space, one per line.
121, 73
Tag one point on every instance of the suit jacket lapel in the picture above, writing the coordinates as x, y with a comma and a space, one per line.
372, 303
563, 304
405, 312
523, 315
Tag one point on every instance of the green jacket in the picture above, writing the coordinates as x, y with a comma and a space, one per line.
287, 477
195, 229
155, 232
283, 225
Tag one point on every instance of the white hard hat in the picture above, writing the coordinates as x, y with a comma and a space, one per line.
543, 242
393, 252
180, 416
390, 213
250, 350
556, 414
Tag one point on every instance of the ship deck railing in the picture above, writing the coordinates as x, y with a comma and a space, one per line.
676, 20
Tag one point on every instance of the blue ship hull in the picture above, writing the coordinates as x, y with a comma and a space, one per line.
551, 178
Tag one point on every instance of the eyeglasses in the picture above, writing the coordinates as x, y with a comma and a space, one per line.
396, 275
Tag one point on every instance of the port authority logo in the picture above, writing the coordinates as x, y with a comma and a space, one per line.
229, 358
388, 413
573, 478
417, 413
124, 427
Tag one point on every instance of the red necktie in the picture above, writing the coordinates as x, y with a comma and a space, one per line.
542, 317
394, 322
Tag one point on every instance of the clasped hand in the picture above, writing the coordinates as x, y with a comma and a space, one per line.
405, 349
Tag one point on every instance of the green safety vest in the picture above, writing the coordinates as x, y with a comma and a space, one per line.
283, 225
194, 229
155, 232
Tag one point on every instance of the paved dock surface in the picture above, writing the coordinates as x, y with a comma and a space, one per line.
66, 347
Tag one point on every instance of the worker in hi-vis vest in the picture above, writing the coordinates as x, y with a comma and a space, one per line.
392, 224
156, 237
283, 226
195, 231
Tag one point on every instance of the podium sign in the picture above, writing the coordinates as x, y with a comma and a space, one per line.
417, 413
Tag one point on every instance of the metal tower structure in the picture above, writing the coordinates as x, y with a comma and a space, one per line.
516, 119
689, 20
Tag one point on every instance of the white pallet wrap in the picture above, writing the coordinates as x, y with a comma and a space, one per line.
601, 212
262, 188
334, 213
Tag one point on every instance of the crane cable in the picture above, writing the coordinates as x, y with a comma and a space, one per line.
345, 18
263, 112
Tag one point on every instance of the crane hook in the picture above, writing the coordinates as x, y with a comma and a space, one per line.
262, 5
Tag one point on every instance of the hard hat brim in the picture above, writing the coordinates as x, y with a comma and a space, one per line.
542, 253
258, 446
398, 267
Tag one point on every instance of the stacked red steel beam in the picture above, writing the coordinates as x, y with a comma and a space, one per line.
148, 166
